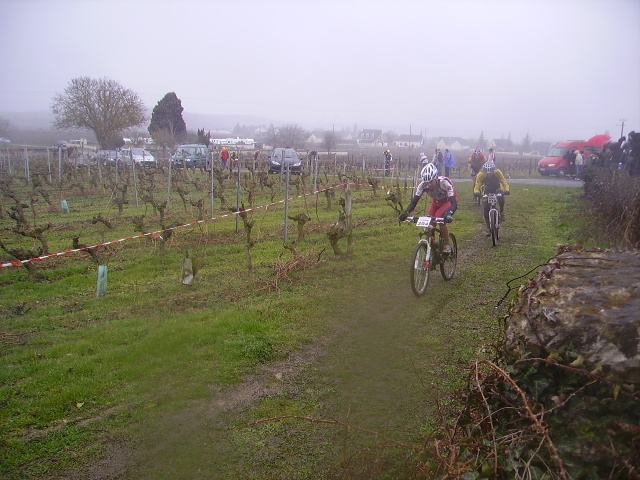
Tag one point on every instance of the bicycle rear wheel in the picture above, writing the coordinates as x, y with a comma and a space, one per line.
420, 267
449, 260
494, 223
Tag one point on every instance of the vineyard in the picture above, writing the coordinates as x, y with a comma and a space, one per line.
200, 293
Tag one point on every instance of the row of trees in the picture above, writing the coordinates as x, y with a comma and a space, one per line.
108, 109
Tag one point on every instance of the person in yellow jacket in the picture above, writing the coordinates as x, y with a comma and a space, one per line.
494, 182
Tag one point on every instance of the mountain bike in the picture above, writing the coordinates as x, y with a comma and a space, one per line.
494, 215
429, 253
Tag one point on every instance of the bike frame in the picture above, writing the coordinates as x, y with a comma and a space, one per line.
494, 215
428, 235
428, 253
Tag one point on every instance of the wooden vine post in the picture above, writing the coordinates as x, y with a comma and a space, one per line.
343, 227
348, 225
301, 219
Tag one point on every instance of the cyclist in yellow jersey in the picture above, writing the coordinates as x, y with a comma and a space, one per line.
494, 182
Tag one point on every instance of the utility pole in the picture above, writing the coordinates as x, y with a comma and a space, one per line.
622, 120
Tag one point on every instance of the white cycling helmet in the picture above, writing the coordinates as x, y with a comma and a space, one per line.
489, 167
429, 172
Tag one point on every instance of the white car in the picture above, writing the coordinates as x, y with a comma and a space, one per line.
139, 156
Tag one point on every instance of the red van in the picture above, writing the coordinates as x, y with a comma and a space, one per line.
559, 160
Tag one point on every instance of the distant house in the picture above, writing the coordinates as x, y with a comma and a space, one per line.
316, 137
347, 142
540, 148
371, 138
452, 143
409, 141
502, 145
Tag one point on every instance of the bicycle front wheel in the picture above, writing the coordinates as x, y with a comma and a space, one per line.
420, 268
450, 260
494, 223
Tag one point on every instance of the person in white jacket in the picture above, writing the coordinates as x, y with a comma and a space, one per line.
579, 164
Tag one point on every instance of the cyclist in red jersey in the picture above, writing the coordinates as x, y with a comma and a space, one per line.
445, 199
476, 161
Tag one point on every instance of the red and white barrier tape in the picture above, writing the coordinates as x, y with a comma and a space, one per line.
158, 232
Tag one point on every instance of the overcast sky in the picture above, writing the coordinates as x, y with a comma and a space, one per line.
553, 69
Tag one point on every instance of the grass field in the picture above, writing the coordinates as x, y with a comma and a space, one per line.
80, 370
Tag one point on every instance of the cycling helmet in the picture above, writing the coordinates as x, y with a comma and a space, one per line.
476, 151
489, 167
429, 172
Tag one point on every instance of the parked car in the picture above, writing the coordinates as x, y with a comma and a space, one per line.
138, 155
4, 140
107, 157
192, 155
290, 157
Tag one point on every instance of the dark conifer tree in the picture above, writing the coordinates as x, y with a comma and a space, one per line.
167, 124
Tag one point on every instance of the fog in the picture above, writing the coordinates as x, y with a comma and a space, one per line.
551, 69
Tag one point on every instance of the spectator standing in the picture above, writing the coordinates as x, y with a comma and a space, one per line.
492, 156
604, 157
579, 164
224, 158
616, 154
423, 159
438, 159
570, 157
449, 162
632, 149
388, 160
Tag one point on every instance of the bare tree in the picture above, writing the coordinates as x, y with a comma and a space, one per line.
5, 127
102, 106
482, 142
390, 136
270, 137
292, 135
137, 137
330, 141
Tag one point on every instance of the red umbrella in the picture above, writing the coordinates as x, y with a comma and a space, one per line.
598, 141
